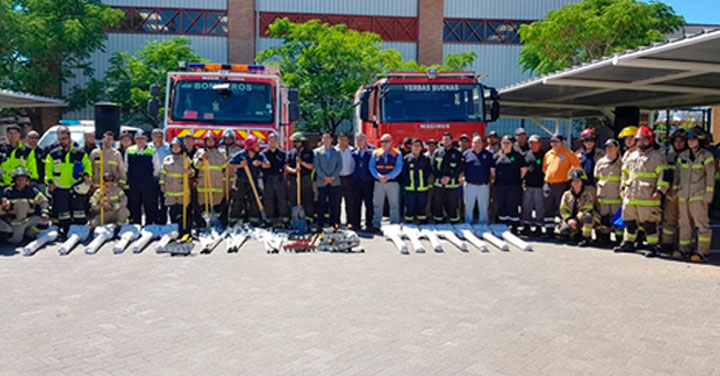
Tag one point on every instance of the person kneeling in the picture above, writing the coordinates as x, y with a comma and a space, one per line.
24, 210
577, 208
113, 202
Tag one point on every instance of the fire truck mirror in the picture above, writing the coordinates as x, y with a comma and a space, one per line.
494, 94
293, 112
494, 111
153, 108
154, 90
293, 95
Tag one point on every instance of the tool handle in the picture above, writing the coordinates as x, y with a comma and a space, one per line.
252, 185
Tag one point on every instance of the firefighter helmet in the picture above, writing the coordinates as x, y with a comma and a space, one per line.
298, 136
577, 173
251, 142
176, 141
588, 134
700, 133
680, 132
210, 134
229, 133
20, 171
628, 131
645, 131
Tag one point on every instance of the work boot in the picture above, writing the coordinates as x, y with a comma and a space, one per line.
667, 249
525, 231
699, 258
653, 251
680, 255
586, 242
538, 233
624, 247
573, 240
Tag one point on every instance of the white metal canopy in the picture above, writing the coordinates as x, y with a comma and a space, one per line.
682, 72
12, 99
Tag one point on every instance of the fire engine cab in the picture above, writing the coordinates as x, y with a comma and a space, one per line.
424, 105
248, 99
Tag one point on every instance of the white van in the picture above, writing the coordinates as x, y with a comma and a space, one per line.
77, 132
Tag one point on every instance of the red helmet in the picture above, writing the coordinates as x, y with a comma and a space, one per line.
588, 133
645, 131
251, 142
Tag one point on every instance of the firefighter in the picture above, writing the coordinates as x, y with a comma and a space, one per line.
589, 154
16, 154
416, 183
508, 171
642, 187
112, 200
275, 197
627, 137
246, 206
171, 183
302, 155
670, 209
608, 171
447, 163
113, 163
210, 163
229, 145
24, 210
140, 160
66, 169
577, 210
694, 182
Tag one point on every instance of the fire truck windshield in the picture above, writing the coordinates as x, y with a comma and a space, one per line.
223, 102
430, 102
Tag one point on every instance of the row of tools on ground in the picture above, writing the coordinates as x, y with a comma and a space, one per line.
135, 239
479, 236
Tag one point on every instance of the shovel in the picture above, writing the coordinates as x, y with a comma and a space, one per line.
297, 213
211, 217
255, 192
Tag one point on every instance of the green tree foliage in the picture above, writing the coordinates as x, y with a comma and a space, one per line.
327, 64
129, 78
591, 29
43, 43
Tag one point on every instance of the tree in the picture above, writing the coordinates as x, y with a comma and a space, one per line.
129, 78
453, 63
327, 64
44, 43
591, 29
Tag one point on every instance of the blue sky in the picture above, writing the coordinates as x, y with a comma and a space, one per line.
697, 11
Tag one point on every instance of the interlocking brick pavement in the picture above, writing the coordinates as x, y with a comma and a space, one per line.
555, 311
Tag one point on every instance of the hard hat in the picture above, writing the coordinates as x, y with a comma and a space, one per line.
82, 188
176, 141
139, 134
628, 131
20, 171
612, 142
700, 133
588, 134
691, 135
229, 133
577, 173
298, 136
251, 142
645, 131
680, 132
210, 134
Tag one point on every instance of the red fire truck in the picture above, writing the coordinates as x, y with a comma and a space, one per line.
424, 105
248, 99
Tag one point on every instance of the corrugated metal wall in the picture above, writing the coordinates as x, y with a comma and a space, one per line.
211, 48
407, 49
204, 4
505, 9
398, 8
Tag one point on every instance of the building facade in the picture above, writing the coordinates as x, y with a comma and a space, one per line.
234, 31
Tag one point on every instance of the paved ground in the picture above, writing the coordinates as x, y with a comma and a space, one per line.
555, 311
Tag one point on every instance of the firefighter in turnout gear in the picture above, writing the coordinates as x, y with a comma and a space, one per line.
577, 210
65, 169
14, 153
670, 208
24, 210
171, 183
113, 163
643, 186
302, 154
694, 182
416, 182
113, 201
447, 164
246, 207
627, 137
608, 172
210, 164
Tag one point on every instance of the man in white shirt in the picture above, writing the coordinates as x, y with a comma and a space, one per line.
346, 172
161, 151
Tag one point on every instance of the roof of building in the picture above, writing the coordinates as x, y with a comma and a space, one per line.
680, 72
12, 99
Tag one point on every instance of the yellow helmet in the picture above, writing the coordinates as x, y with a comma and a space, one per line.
628, 131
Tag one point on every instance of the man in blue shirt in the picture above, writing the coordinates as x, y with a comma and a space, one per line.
385, 166
478, 174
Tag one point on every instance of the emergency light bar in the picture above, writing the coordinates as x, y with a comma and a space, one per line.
225, 67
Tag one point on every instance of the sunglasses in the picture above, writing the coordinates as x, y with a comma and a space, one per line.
384, 142
34, 137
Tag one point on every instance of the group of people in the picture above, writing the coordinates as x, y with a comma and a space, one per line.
628, 188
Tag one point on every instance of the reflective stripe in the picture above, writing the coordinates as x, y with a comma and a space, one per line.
694, 166
660, 169
704, 239
643, 175
629, 236
608, 178
609, 201
668, 231
708, 161
173, 194
216, 167
643, 202
691, 199
663, 183
652, 239
685, 242
709, 189
174, 175
213, 190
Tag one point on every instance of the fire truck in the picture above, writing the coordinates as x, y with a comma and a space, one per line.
247, 99
424, 105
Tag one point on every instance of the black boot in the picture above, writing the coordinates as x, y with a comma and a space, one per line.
574, 240
525, 231
586, 242
624, 247
537, 233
